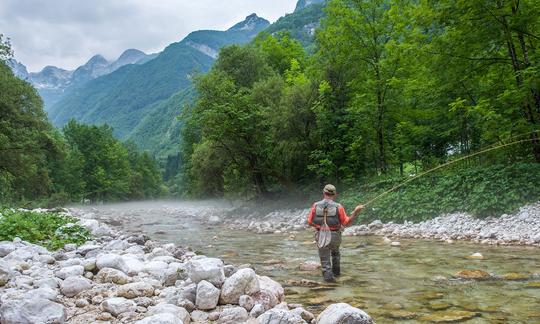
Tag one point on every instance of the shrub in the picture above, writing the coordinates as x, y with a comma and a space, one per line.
482, 191
51, 230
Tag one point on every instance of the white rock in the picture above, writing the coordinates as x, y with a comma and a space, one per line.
280, 316
42, 293
207, 295
179, 312
343, 313
118, 305
271, 293
5, 272
71, 286
242, 282
6, 248
257, 310
246, 302
76, 270
209, 269
233, 315
110, 260
30, 311
165, 318
155, 267
136, 289
110, 275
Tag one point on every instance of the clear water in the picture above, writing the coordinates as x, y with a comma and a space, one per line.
391, 284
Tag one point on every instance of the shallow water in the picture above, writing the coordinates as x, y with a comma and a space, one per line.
391, 284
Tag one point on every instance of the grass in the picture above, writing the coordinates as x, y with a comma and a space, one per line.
51, 230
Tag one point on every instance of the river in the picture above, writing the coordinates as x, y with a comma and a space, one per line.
406, 284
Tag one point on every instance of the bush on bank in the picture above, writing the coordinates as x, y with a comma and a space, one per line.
51, 230
481, 191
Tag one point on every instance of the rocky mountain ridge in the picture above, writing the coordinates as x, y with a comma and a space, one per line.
52, 82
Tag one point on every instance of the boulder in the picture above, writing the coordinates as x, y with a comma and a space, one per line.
246, 302
110, 260
257, 310
233, 315
343, 313
207, 295
30, 311
164, 318
71, 271
155, 268
110, 275
136, 289
5, 272
132, 265
280, 316
6, 248
179, 312
74, 285
209, 269
118, 305
271, 293
42, 293
304, 314
242, 282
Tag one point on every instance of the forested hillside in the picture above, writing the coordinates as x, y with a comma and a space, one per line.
40, 165
392, 88
125, 97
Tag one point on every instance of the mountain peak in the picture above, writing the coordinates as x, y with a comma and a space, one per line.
96, 60
302, 4
251, 22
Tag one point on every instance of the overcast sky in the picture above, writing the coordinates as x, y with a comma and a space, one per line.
66, 33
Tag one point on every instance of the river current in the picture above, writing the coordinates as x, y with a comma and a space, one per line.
409, 284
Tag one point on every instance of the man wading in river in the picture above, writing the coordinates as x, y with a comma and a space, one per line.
328, 217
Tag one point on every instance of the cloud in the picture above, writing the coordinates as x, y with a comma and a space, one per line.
66, 33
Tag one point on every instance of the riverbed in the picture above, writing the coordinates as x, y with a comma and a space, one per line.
407, 283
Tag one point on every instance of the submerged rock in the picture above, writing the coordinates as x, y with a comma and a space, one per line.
472, 274
448, 316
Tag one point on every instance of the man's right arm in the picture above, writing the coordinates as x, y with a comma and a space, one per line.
311, 215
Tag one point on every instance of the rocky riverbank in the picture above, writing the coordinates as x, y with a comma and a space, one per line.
520, 228
121, 278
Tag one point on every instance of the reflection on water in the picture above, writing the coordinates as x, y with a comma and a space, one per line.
391, 284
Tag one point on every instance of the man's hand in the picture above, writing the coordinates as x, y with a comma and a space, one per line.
358, 209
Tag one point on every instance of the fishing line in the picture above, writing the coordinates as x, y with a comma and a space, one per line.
447, 164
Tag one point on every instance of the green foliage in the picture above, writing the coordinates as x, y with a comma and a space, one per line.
480, 190
48, 229
390, 89
104, 169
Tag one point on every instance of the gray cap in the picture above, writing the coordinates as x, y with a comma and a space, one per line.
329, 189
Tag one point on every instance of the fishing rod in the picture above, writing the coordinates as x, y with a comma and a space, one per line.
447, 164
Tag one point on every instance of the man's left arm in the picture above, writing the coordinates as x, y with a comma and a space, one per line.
346, 220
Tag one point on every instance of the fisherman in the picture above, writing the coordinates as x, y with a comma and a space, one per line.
329, 212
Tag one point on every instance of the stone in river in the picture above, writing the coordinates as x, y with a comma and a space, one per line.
343, 313
310, 266
439, 305
448, 316
401, 314
476, 256
515, 276
395, 244
472, 274
534, 284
